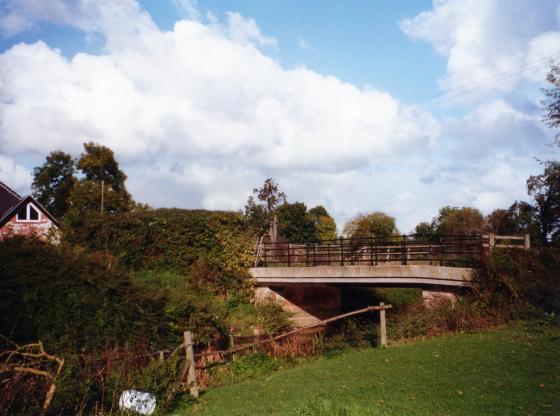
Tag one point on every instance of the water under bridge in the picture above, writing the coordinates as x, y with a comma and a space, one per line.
306, 277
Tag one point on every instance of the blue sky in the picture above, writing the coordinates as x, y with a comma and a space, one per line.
202, 101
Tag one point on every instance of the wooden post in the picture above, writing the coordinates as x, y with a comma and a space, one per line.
382, 326
341, 252
527, 242
191, 374
491, 240
232, 345
161, 356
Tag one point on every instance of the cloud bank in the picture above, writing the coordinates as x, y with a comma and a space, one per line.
202, 113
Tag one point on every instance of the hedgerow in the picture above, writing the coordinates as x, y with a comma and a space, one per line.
167, 239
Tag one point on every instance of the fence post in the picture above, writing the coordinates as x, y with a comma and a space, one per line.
191, 374
491, 240
527, 242
314, 254
382, 325
289, 258
341, 252
403, 249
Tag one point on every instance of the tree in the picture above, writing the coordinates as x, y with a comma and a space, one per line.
424, 228
375, 224
295, 223
324, 223
458, 221
519, 218
261, 213
53, 182
552, 101
98, 163
545, 190
101, 177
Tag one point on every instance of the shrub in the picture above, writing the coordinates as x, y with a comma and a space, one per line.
72, 302
522, 280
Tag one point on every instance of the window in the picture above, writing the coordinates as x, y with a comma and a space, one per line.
33, 213
22, 214
28, 213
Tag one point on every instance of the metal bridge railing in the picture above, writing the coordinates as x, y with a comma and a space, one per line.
448, 250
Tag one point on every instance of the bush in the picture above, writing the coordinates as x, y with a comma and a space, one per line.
72, 302
522, 280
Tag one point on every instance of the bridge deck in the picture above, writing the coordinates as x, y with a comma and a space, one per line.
400, 275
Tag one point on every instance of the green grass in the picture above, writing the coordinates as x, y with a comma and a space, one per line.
512, 371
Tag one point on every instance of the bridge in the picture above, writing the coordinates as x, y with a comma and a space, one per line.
306, 277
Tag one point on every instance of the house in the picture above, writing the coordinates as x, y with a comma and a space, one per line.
24, 216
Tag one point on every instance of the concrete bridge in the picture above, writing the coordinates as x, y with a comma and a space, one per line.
306, 277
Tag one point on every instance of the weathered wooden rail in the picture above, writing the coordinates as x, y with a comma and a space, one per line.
448, 250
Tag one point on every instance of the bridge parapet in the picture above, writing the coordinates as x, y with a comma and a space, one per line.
442, 250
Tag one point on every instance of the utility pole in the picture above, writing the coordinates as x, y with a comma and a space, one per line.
102, 194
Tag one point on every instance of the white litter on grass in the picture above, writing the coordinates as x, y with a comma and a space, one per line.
138, 401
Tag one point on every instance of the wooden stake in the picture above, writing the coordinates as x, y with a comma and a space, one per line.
382, 325
191, 375
188, 371
527, 241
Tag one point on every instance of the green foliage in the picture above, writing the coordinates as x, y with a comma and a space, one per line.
424, 228
251, 366
168, 239
53, 183
324, 223
98, 163
545, 190
85, 200
259, 214
71, 301
458, 221
205, 303
295, 224
375, 224
519, 218
523, 278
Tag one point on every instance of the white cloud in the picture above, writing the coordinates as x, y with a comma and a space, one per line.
14, 175
245, 31
491, 43
496, 127
198, 92
189, 8
201, 114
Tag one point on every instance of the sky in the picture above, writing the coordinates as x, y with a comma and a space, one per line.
402, 107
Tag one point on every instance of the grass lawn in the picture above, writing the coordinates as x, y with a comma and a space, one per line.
500, 372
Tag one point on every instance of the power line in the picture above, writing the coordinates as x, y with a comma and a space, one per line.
495, 78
